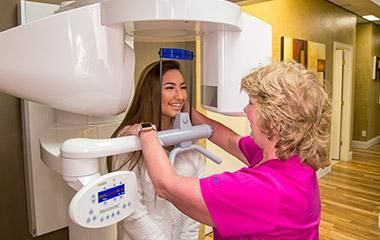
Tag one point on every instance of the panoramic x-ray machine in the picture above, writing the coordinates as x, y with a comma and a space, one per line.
81, 60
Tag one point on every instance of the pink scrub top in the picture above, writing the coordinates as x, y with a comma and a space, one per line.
275, 200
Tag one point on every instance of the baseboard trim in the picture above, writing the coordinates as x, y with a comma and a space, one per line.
367, 144
323, 171
349, 158
208, 229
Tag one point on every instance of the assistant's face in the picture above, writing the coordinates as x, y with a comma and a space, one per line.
174, 93
251, 110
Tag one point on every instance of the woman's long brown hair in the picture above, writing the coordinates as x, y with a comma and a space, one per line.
145, 106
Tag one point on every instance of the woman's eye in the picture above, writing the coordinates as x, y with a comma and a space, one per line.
184, 87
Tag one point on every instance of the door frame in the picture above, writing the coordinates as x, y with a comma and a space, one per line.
347, 111
336, 105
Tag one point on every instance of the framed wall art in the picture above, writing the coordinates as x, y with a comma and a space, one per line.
376, 68
311, 54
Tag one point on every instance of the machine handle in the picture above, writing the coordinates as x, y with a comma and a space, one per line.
197, 148
82, 148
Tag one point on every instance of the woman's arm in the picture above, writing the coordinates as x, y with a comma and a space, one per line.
222, 136
183, 192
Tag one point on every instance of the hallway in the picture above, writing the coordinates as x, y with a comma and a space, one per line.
350, 197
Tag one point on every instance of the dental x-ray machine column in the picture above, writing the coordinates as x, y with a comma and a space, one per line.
78, 61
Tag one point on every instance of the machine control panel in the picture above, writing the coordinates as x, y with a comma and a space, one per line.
105, 201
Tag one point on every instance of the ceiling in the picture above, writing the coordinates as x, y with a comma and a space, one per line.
358, 7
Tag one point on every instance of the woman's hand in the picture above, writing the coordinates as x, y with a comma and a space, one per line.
129, 130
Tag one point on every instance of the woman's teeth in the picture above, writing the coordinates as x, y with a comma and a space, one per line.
175, 105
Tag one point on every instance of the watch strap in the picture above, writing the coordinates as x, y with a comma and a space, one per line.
145, 126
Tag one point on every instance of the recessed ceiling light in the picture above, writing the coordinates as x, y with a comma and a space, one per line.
376, 2
371, 18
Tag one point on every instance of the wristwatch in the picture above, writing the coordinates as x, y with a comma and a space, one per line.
145, 126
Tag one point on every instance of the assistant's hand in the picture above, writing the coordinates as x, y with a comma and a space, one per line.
186, 107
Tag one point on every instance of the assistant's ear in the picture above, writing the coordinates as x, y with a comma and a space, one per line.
270, 135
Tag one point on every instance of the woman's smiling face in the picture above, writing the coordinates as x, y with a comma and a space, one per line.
174, 93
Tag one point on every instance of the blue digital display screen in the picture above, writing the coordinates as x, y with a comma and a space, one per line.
111, 193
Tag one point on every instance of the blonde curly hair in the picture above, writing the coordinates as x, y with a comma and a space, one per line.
291, 99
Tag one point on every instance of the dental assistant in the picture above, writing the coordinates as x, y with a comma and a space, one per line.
276, 196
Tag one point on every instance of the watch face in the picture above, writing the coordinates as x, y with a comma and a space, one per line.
146, 124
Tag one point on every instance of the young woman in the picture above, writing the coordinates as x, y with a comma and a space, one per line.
156, 218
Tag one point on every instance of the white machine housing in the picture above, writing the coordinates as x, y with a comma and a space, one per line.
227, 57
84, 63
78, 66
